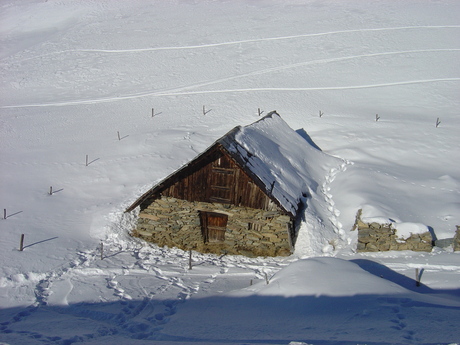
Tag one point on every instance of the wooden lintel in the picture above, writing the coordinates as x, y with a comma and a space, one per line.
221, 187
216, 211
220, 200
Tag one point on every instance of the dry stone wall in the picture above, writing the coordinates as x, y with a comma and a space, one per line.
250, 232
456, 242
375, 237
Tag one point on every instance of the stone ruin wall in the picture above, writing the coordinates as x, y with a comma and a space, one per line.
375, 237
456, 242
251, 232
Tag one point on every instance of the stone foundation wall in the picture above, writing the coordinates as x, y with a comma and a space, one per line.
250, 232
374, 237
456, 242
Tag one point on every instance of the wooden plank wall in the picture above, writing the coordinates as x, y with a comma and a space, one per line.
220, 180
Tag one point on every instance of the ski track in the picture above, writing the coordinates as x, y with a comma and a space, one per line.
182, 90
173, 93
256, 40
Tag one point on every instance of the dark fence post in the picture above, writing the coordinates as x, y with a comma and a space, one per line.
21, 243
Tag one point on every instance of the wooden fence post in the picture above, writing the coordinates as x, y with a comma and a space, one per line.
417, 277
4, 213
190, 260
21, 243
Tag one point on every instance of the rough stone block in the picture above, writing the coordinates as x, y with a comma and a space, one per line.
365, 239
403, 246
370, 247
361, 247
413, 239
361, 225
384, 246
456, 240
374, 226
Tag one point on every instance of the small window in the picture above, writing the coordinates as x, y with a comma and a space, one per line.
255, 226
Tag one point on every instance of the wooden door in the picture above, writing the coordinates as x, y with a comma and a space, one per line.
213, 226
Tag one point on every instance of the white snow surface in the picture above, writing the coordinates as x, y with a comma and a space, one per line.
320, 277
282, 159
80, 81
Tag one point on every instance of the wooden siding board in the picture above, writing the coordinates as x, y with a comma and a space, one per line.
222, 189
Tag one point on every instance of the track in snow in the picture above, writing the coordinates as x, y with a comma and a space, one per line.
188, 90
255, 40
178, 93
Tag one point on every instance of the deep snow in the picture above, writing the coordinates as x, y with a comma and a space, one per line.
74, 73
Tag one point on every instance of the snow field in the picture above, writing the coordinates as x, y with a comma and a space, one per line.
72, 75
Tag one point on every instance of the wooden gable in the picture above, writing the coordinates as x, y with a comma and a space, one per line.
213, 177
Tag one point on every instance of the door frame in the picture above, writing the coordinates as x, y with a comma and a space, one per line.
213, 233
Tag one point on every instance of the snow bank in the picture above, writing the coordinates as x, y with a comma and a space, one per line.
323, 276
406, 229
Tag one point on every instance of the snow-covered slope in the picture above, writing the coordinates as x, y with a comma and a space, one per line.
80, 81
317, 301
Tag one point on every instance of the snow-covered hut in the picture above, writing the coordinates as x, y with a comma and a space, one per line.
241, 196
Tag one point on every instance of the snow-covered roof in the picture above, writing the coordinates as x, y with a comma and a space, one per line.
285, 163
279, 160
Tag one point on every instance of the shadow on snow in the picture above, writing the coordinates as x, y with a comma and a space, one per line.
254, 319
